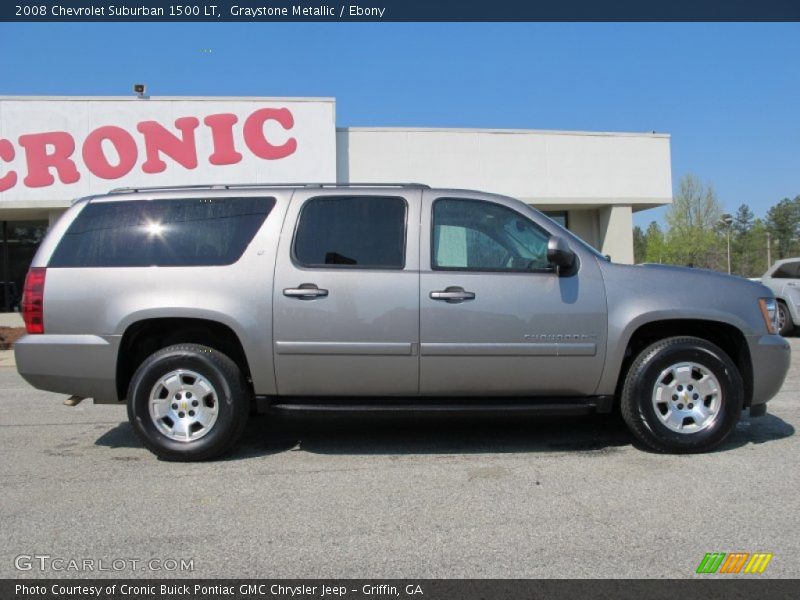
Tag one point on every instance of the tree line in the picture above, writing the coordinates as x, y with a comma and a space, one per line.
697, 233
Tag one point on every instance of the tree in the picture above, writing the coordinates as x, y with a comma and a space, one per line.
742, 241
743, 220
693, 238
696, 236
639, 245
756, 264
783, 222
695, 206
656, 250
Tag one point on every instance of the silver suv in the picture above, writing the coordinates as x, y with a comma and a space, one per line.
783, 278
195, 304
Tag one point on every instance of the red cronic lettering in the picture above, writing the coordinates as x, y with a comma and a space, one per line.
97, 161
222, 133
254, 133
40, 160
157, 140
8, 180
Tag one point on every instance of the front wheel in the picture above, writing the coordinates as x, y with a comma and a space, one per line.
188, 402
784, 319
682, 394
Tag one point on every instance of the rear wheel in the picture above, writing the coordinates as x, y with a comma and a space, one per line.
188, 402
784, 319
682, 394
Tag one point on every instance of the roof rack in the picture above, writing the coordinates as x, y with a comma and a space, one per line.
238, 186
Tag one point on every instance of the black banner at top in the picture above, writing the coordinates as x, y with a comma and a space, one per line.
397, 10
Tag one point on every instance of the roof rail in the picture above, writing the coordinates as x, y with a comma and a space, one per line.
237, 186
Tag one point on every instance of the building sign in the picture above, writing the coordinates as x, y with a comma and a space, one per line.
57, 150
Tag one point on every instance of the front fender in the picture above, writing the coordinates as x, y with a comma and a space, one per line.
615, 356
647, 294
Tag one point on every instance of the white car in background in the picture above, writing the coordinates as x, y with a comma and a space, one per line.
783, 278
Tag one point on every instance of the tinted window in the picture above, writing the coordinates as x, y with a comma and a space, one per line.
787, 271
365, 232
169, 233
483, 236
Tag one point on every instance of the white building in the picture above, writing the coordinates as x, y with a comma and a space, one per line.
55, 149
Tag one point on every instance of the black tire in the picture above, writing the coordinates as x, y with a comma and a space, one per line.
228, 383
786, 316
636, 400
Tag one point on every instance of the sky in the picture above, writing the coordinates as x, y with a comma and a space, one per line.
728, 94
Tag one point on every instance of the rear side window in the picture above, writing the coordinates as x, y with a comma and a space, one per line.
168, 233
362, 232
787, 271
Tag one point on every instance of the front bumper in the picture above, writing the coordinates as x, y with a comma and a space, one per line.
81, 365
771, 356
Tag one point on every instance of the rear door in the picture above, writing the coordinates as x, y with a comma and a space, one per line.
346, 293
495, 319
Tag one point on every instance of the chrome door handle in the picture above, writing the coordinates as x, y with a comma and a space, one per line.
306, 291
453, 294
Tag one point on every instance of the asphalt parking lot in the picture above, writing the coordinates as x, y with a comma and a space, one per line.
395, 498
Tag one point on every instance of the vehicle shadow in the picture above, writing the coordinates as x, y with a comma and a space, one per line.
431, 434
410, 434
436, 434
757, 431
121, 436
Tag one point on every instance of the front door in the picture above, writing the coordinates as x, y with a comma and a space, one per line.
346, 294
496, 319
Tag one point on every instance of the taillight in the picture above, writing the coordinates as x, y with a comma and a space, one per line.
33, 300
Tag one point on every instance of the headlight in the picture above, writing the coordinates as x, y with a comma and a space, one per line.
769, 310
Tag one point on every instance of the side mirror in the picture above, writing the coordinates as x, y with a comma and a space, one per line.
558, 253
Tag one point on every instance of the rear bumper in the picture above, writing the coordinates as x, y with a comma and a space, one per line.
771, 355
83, 365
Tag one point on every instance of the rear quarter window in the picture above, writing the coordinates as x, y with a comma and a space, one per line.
166, 233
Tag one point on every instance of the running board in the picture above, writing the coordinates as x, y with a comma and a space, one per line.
551, 406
